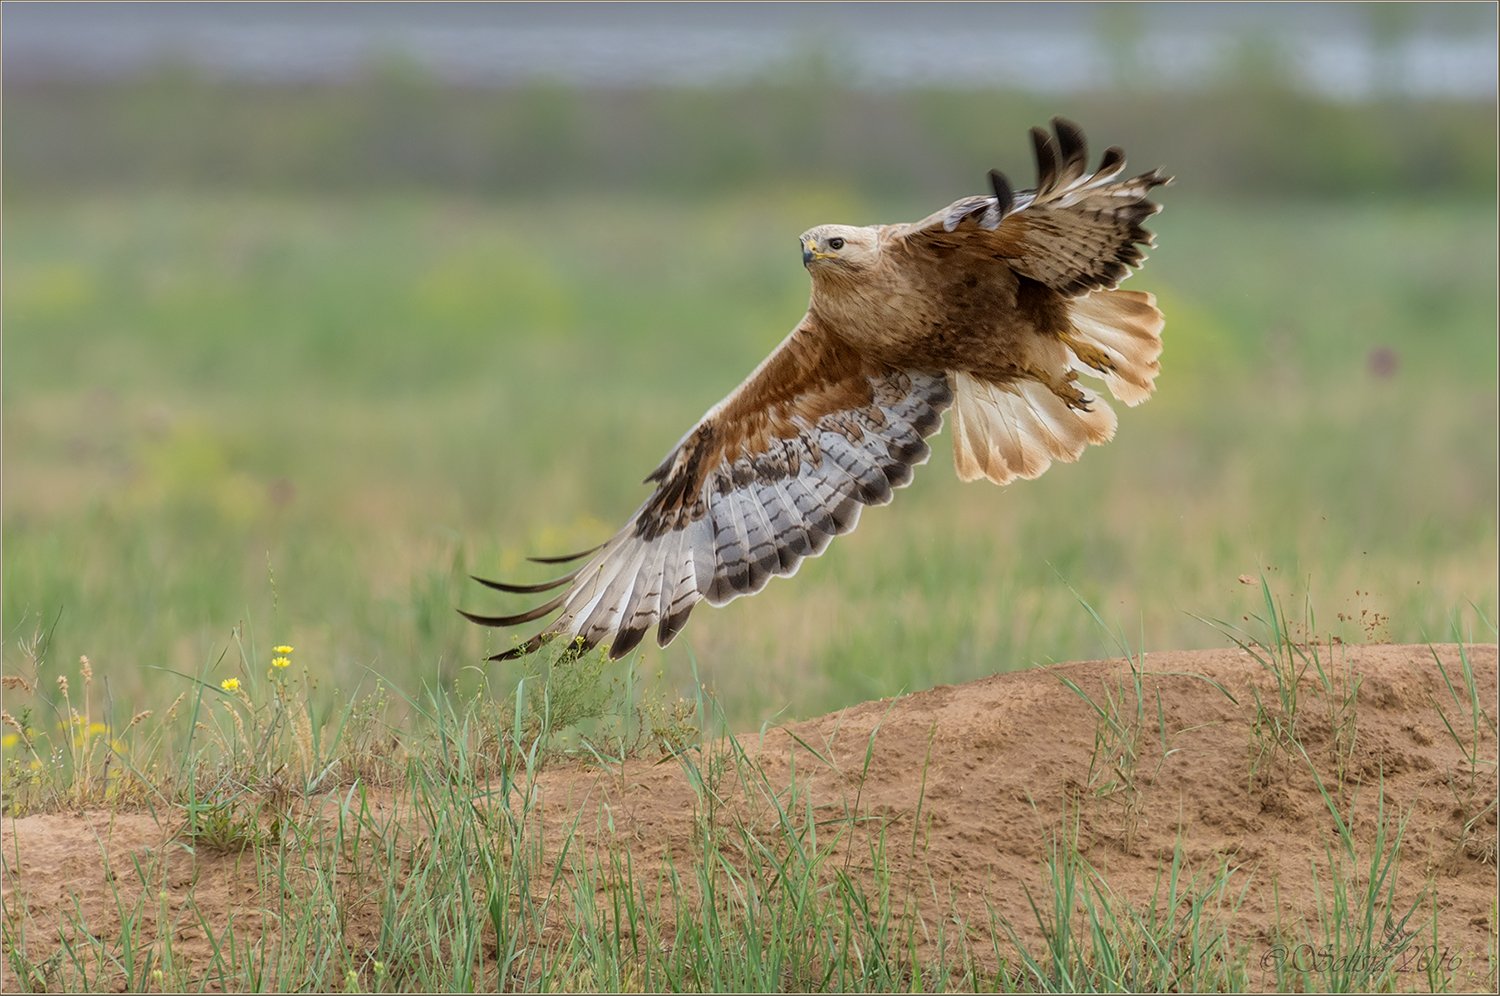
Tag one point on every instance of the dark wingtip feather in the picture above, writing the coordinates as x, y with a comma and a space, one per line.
578, 647
626, 641
531, 646
479, 620
1112, 161
670, 625
1046, 159
567, 557
1005, 197
525, 589
1071, 144
523, 617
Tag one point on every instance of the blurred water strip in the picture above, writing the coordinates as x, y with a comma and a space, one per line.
1340, 51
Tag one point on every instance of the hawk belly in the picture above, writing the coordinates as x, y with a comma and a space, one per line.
975, 316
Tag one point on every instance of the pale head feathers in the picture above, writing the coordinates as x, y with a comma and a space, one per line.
832, 250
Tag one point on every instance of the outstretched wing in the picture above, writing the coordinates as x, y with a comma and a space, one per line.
769, 476
1076, 232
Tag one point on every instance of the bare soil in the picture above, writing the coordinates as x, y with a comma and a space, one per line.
970, 786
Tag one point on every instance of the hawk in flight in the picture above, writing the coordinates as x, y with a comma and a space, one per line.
993, 306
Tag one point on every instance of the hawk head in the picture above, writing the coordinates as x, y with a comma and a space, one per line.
839, 249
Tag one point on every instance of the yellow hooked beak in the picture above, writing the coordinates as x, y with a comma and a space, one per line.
811, 251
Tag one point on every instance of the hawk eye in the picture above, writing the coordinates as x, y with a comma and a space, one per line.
835, 244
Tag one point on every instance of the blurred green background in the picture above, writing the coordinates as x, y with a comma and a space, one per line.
300, 346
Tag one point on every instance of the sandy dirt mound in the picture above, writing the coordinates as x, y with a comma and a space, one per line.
971, 784
984, 773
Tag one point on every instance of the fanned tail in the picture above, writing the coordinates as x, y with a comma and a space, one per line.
1018, 428
1117, 336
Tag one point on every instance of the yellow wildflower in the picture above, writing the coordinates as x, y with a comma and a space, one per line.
10, 740
87, 731
283, 649
230, 684
281, 662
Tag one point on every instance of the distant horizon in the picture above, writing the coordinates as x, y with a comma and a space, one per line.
1336, 50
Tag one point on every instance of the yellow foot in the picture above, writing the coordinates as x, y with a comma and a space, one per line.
1067, 389
1091, 355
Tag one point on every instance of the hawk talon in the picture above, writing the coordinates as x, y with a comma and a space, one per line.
1090, 355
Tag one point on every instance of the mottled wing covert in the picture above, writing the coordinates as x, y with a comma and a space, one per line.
768, 477
1076, 232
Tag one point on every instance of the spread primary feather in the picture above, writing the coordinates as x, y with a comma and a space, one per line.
994, 305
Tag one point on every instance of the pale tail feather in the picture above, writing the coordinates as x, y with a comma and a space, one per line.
1117, 336
1017, 429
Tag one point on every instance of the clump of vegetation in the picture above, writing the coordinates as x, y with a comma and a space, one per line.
1472, 728
1098, 943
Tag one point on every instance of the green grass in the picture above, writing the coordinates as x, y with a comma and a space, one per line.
1095, 942
311, 419
451, 878
391, 125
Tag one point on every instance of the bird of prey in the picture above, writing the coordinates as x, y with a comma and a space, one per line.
993, 306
